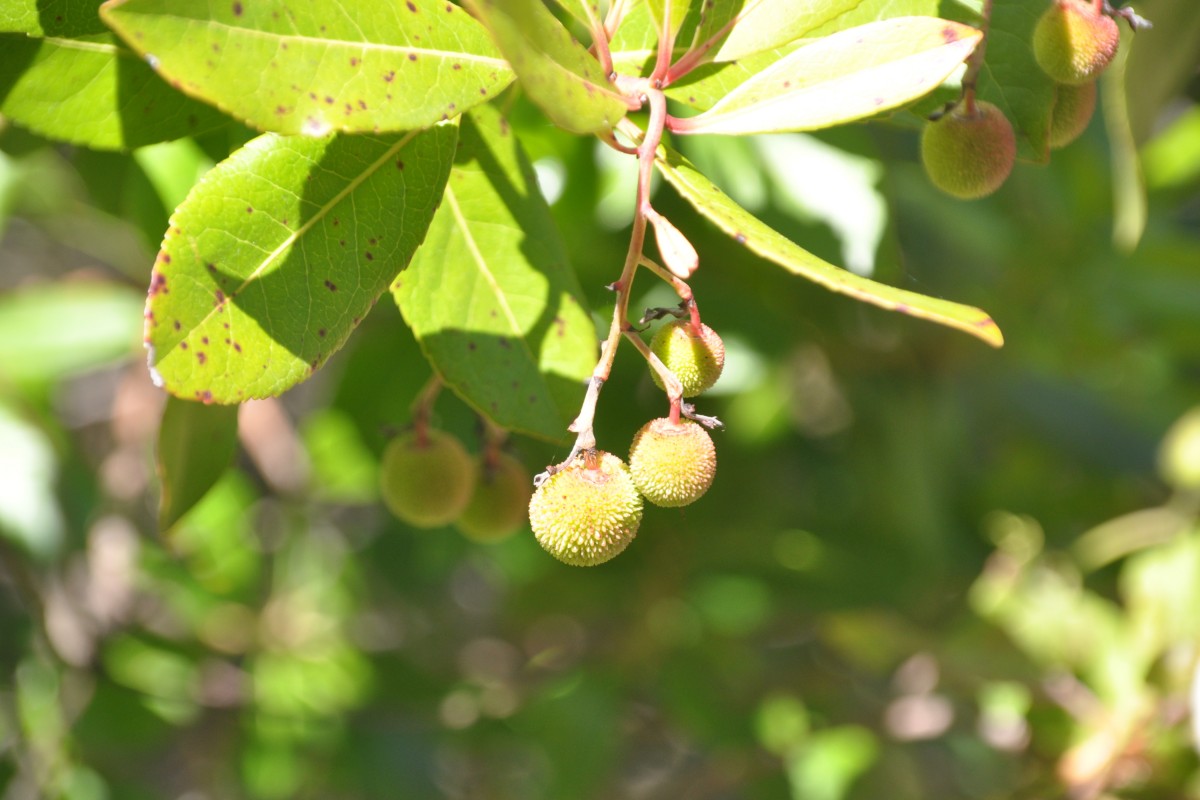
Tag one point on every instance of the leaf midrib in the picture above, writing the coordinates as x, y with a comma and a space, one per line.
293, 237
477, 255
349, 43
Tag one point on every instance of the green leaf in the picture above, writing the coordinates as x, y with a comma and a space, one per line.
707, 85
635, 42
844, 77
1012, 80
759, 238
278, 253
703, 87
669, 15
516, 342
196, 444
52, 331
559, 75
768, 24
64, 76
317, 67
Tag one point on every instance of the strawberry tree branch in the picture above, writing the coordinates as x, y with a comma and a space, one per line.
696, 55
600, 38
975, 62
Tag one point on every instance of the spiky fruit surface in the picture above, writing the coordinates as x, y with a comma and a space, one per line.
696, 360
426, 481
1072, 43
1073, 109
967, 154
588, 512
672, 464
501, 498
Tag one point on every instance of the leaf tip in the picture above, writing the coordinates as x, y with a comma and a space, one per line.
987, 330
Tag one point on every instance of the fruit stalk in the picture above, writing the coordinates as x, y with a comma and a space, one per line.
583, 424
422, 407
976, 59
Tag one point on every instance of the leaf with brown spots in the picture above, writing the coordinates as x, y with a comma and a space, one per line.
314, 67
491, 296
262, 302
756, 236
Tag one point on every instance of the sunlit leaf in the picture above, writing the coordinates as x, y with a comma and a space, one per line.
669, 15
30, 516
844, 77
635, 43
703, 87
747, 230
316, 67
516, 343
65, 76
555, 70
767, 24
196, 443
280, 251
52, 331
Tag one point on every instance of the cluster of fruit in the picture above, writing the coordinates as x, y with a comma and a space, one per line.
428, 480
970, 150
588, 510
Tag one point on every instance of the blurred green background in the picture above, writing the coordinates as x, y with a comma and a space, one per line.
926, 569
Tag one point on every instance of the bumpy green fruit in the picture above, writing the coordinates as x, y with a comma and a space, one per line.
696, 360
672, 464
967, 154
1073, 108
1073, 43
588, 512
427, 480
497, 508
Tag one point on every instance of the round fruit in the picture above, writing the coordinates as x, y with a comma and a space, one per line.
1179, 454
501, 497
1073, 42
1073, 108
587, 512
672, 464
969, 154
426, 480
696, 360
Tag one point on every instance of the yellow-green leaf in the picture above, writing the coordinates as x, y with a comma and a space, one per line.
758, 237
315, 67
845, 77
278, 253
514, 338
558, 74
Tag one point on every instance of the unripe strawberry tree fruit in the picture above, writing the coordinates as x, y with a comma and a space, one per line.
499, 504
696, 358
672, 463
426, 478
1074, 41
587, 512
969, 151
1073, 109
384, 166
